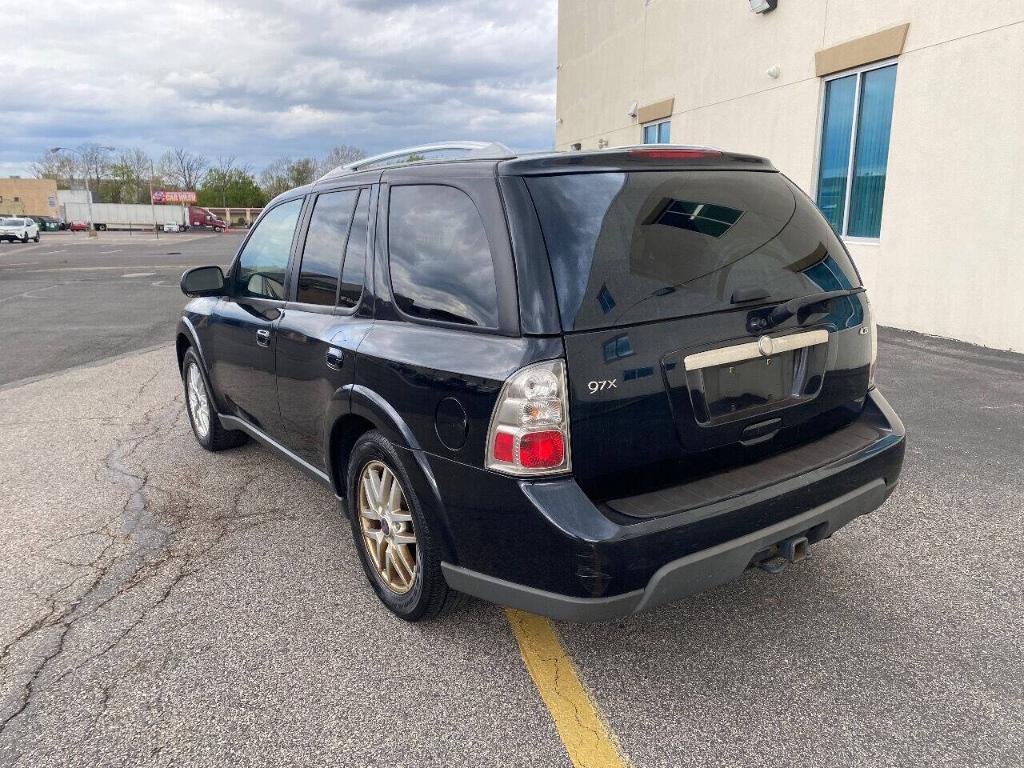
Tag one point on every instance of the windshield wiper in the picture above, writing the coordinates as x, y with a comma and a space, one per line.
783, 312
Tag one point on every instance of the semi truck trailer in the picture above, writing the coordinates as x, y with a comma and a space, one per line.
131, 216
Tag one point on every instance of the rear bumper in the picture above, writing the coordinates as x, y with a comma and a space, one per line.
677, 578
545, 547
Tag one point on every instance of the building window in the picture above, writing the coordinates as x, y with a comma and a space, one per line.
658, 133
855, 149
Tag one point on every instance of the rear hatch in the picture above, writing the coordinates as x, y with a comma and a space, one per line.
665, 281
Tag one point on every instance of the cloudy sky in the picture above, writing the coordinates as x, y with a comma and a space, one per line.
259, 79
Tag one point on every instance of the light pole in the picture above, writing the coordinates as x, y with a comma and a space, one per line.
152, 203
54, 150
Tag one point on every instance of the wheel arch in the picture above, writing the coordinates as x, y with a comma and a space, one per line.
185, 339
369, 410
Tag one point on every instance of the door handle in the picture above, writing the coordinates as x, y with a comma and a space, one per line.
263, 337
335, 358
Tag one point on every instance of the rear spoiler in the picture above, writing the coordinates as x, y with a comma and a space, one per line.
646, 157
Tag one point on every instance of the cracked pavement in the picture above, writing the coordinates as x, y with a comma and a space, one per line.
161, 605
167, 606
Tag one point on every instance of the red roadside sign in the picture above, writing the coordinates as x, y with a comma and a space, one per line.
173, 196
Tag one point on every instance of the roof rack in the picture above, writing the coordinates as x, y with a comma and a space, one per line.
471, 149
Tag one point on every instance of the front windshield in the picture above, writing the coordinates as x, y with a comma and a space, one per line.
10, 223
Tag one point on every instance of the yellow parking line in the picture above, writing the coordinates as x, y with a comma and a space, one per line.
587, 738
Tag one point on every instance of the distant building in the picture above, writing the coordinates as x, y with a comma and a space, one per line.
28, 197
74, 196
904, 121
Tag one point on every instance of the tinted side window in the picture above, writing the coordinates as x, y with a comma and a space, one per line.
325, 242
441, 267
264, 260
355, 254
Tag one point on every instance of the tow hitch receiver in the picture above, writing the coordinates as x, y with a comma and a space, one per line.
773, 560
794, 548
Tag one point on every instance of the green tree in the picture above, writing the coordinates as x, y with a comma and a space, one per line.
129, 177
228, 187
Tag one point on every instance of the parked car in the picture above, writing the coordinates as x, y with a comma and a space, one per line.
580, 384
18, 229
78, 226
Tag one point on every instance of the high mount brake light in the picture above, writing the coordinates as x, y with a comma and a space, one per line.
529, 433
675, 154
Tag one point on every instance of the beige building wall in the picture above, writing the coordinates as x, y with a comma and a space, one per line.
28, 197
947, 261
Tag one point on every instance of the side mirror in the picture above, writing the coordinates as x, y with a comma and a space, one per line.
203, 281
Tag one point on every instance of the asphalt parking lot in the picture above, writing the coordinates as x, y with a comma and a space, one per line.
166, 606
72, 299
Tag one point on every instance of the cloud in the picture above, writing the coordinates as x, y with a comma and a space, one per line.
278, 77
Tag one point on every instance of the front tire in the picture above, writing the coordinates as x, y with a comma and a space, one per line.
202, 416
36, 238
24, 237
392, 535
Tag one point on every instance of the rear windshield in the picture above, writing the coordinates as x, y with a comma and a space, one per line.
651, 245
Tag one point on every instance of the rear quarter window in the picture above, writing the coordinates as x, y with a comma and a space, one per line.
440, 261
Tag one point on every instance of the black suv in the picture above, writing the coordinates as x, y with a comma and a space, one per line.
580, 384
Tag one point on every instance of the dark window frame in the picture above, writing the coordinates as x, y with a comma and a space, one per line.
232, 273
300, 253
295, 265
367, 253
503, 325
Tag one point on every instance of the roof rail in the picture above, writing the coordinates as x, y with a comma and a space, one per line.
471, 149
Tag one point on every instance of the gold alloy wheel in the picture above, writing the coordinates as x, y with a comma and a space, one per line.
386, 524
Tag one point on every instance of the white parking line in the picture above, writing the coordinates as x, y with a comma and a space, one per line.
47, 253
139, 274
103, 253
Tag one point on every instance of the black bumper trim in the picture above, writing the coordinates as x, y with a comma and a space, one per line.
678, 578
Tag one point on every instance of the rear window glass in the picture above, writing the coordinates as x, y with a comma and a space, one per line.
441, 266
635, 247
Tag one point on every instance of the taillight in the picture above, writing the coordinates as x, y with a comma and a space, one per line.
529, 432
872, 331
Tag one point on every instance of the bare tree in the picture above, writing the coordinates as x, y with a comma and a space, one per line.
340, 155
59, 166
183, 168
94, 162
285, 173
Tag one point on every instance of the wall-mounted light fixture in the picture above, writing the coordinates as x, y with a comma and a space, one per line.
632, 109
763, 6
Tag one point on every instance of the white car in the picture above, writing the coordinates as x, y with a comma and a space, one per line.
18, 229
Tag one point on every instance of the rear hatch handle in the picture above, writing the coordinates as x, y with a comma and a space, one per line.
783, 312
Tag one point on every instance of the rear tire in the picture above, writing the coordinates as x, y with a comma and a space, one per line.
202, 415
392, 521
